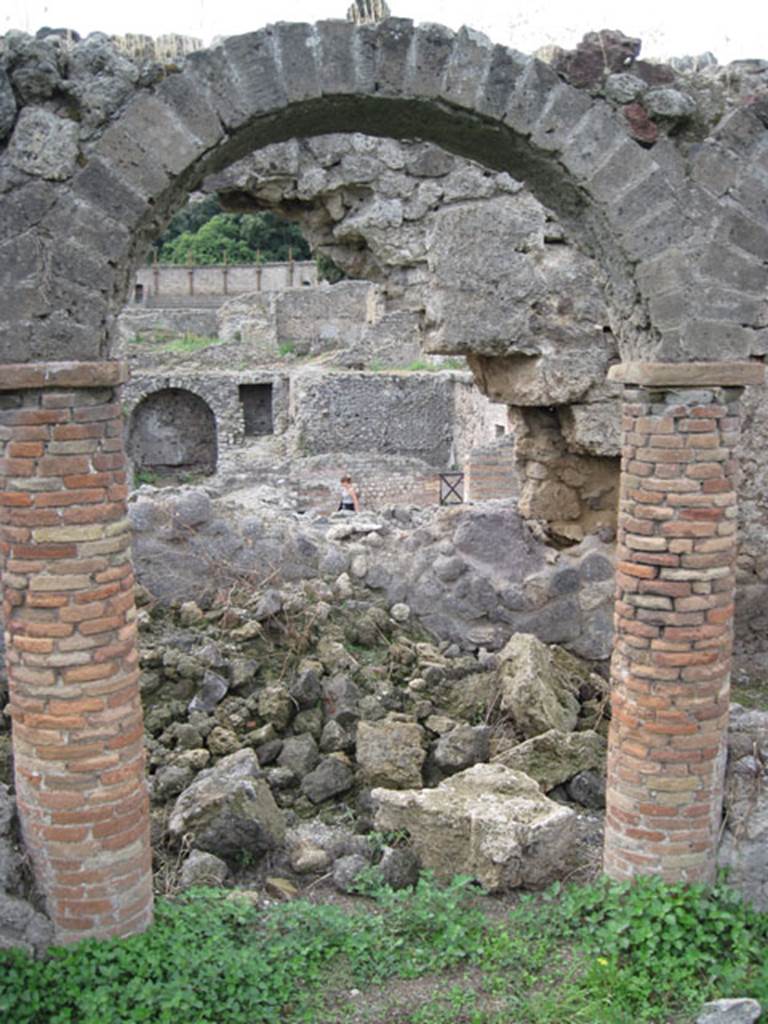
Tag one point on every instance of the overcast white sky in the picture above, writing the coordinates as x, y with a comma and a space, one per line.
731, 31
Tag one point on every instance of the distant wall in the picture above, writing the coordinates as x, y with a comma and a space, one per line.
158, 284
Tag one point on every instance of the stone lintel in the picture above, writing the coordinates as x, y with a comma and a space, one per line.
26, 376
686, 375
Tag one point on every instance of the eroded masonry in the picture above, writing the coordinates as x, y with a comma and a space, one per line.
665, 193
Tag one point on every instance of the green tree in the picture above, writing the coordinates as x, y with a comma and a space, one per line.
201, 234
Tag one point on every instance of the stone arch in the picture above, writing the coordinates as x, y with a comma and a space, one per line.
79, 223
455, 89
172, 431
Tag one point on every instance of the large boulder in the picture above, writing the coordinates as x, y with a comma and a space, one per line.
540, 687
391, 752
555, 757
489, 822
229, 809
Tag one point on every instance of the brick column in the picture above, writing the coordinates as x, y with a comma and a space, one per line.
673, 619
71, 651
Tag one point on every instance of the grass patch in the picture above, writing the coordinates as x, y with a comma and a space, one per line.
187, 343
751, 695
597, 954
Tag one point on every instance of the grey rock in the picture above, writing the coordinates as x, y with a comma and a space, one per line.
22, 927
101, 77
307, 858
399, 867
44, 145
244, 671
169, 781
269, 604
335, 737
7, 809
10, 866
7, 105
347, 870
268, 752
300, 754
540, 685
221, 741
331, 778
448, 568
730, 1011
624, 87
588, 789
462, 747
229, 809
281, 777
304, 688
488, 822
341, 700
744, 844
335, 840
310, 720
36, 75
201, 868
554, 757
276, 706
390, 753
213, 689
669, 103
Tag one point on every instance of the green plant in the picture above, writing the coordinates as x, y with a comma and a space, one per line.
287, 348
597, 954
145, 476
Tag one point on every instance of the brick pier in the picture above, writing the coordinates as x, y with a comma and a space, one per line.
675, 586
68, 606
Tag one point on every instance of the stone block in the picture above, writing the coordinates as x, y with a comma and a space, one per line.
624, 166
101, 185
215, 75
392, 41
193, 108
390, 753
530, 96
467, 70
488, 822
341, 67
296, 54
560, 118
433, 47
503, 72
44, 144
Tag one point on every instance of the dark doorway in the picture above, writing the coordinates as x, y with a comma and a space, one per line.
256, 400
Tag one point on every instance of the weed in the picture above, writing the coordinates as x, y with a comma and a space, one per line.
605, 953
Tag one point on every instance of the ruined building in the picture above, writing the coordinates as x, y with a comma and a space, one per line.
667, 199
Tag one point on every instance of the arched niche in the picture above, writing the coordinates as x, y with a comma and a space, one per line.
172, 433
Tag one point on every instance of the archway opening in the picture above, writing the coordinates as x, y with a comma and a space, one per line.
172, 436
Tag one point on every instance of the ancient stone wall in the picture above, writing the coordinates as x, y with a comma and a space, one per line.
162, 283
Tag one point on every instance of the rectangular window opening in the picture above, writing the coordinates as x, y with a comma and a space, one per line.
256, 400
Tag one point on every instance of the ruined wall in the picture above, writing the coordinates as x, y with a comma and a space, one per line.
392, 414
219, 392
162, 283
